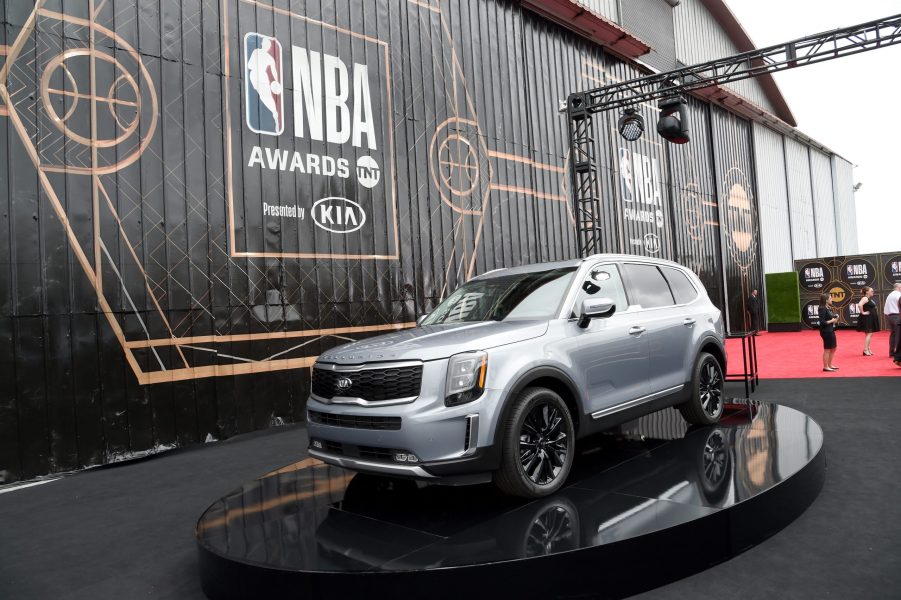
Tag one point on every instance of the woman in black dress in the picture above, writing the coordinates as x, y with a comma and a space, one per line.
867, 320
828, 319
897, 351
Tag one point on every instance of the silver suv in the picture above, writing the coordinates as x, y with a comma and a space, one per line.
505, 374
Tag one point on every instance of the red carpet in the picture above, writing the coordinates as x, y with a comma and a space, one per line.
794, 355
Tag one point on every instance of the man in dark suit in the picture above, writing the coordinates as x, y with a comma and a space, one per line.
753, 308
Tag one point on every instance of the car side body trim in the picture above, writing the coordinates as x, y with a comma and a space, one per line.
612, 409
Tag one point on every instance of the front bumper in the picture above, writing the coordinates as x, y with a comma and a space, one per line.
446, 441
357, 464
474, 468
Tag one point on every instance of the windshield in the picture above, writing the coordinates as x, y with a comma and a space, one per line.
535, 295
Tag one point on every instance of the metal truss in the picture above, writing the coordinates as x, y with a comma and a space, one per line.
581, 106
584, 182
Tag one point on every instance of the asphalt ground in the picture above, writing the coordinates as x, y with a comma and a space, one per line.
126, 531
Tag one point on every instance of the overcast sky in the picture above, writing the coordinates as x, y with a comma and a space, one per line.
852, 105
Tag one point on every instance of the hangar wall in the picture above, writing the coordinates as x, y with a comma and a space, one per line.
200, 197
823, 203
800, 199
845, 207
807, 201
775, 226
699, 38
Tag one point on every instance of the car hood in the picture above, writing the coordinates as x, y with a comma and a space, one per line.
435, 341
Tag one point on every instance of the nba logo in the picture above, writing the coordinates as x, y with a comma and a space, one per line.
625, 172
896, 268
263, 84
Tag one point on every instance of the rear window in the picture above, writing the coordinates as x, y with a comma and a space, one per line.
680, 284
647, 286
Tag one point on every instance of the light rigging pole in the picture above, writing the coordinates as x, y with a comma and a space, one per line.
582, 106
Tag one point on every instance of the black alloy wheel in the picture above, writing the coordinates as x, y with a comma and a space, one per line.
537, 446
543, 443
711, 389
705, 405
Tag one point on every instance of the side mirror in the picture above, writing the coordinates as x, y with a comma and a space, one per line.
420, 320
596, 308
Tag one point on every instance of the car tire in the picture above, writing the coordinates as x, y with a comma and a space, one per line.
537, 445
705, 406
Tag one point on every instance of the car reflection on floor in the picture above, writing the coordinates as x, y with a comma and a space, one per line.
647, 476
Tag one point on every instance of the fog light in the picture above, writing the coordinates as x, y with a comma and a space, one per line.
317, 444
403, 457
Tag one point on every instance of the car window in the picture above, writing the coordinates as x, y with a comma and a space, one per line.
603, 281
647, 286
536, 304
534, 295
681, 286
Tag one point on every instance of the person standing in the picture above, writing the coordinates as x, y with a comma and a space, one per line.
754, 311
867, 319
890, 310
828, 319
896, 329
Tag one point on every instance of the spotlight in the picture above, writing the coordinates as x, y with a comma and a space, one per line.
631, 124
673, 122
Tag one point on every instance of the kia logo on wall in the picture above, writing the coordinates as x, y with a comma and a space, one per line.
338, 215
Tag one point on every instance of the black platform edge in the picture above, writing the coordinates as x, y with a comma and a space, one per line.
614, 570
783, 327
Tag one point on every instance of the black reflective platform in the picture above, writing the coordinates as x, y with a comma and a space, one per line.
652, 503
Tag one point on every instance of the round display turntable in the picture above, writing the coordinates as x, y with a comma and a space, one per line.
652, 502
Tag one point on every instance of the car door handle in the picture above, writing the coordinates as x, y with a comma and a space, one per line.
688, 322
637, 330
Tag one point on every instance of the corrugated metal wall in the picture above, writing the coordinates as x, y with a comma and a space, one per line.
735, 181
695, 208
800, 199
652, 22
845, 205
775, 228
823, 203
150, 296
699, 38
639, 182
605, 8
149, 300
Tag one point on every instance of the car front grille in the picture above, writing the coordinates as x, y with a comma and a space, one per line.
355, 421
374, 385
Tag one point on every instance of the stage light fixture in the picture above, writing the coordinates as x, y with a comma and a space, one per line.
673, 122
631, 124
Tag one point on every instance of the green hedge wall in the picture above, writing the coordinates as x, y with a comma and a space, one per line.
783, 298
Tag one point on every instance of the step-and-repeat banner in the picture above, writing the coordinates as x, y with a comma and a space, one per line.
844, 277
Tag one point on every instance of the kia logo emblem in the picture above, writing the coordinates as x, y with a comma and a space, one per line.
338, 215
343, 383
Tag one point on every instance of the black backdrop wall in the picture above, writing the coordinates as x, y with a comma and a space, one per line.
200, 196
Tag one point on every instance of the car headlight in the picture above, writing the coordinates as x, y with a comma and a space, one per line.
465, 377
